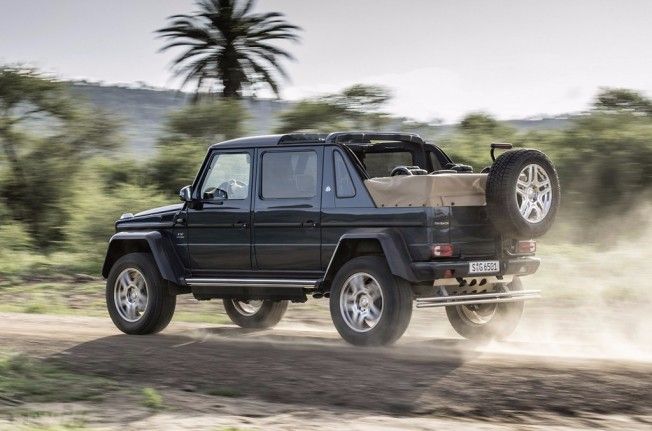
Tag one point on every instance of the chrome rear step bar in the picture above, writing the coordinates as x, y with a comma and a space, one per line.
477, 298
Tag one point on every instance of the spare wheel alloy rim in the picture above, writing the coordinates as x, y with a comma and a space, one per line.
533, 193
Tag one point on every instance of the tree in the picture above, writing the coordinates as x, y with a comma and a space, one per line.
189, 132
362, 98
228, 47
479, 122
355, 107
34, 185
312, 115
622, 100
211, 121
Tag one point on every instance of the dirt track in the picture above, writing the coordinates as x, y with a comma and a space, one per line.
303, 367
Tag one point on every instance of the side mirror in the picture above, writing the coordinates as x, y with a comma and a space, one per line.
185, 194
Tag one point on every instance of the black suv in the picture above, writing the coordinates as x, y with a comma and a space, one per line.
372, 221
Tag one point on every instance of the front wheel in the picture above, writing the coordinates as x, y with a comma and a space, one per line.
255, 314
487, 321
137, 297
370, 306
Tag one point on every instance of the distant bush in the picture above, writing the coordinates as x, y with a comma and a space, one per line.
94, 209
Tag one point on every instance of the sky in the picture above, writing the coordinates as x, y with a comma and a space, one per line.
441, 59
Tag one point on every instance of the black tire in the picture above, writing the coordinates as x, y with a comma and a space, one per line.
395, 303
506, 317
160, 302
268, 315
503, 202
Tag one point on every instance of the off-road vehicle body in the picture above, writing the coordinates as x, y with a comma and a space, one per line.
372, 221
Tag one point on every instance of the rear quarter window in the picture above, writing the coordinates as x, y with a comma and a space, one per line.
344, 187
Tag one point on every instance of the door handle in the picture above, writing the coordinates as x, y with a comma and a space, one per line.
309, 223
240, 224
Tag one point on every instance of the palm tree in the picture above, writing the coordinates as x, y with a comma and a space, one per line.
228, 47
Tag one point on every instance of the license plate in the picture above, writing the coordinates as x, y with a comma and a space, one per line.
484, 266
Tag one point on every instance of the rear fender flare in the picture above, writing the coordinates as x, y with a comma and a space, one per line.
388, 241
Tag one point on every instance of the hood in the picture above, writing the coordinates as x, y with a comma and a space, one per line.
163, 209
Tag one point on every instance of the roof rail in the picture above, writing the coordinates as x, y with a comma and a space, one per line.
301, 138
349, 137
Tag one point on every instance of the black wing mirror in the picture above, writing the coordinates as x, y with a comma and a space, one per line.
185, 194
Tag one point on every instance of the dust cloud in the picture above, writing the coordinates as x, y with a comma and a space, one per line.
596, 300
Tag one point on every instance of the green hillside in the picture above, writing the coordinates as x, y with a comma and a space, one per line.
142, 112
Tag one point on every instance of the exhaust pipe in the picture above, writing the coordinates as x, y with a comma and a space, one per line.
477, 298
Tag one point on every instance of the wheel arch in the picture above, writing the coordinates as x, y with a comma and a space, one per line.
154, 243
387, 243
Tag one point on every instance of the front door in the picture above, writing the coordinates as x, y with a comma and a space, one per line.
287, 234
219, 227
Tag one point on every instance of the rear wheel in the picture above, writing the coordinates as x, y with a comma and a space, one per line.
137, 297
255, 314
487, 321
370, 306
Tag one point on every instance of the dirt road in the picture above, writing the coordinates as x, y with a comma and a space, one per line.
301, 376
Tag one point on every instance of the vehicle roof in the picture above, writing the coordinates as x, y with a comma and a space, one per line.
272, 140
316, 139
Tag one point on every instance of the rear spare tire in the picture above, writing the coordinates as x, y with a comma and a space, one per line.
522, 193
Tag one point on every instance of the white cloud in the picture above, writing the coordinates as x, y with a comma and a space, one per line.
434, 92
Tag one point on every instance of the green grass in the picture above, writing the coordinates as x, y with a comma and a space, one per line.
73, 426
152, 399
223, 392
88, 299
24, 264
65, 426
27, 379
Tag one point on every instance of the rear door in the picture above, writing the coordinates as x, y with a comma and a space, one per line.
286, 221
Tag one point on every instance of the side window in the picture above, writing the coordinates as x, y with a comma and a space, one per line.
289, 174
230, 173
344, 187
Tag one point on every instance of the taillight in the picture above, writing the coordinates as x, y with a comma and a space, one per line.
529, 246
442, 250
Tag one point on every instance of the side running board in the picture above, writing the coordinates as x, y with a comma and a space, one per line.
477, 298
249, 282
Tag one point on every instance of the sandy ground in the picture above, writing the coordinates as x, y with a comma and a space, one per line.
301, 376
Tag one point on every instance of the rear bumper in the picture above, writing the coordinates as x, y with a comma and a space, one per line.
430, 271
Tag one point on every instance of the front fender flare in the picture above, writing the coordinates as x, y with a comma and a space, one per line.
160, 247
